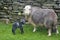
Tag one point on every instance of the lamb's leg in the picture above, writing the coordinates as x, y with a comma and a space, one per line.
21, 29
13, 29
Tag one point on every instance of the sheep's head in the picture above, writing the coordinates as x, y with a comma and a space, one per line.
27, 10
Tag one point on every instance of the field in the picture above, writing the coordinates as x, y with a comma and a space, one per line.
6, 33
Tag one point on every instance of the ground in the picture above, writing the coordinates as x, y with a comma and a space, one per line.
6, 33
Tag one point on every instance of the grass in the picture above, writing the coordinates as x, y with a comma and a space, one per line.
6, 34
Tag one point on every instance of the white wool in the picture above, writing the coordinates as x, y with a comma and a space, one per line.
17, 23
27, 10
27, 7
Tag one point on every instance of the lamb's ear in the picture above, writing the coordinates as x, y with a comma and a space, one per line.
22, 21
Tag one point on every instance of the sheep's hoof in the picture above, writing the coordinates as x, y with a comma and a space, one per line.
33, 30
57, 32
49, 35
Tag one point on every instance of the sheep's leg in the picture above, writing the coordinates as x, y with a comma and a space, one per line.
55, 27
57, 32
49, 32
34, 29
34, 26
48, 26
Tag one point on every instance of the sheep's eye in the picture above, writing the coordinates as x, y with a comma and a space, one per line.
29, 9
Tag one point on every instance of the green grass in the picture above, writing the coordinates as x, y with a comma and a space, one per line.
6, 33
